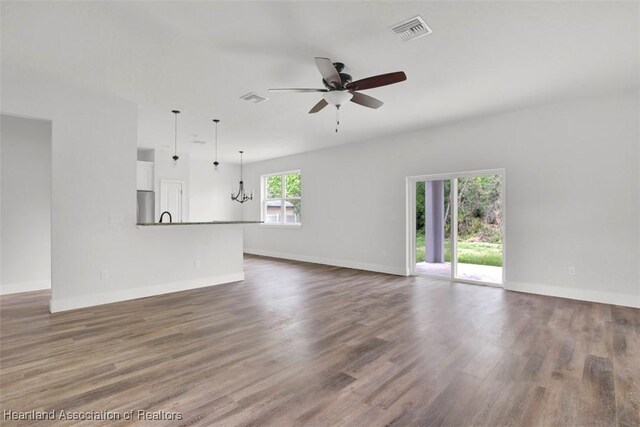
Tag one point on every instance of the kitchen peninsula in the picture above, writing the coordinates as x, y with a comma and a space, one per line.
152, 224
202, 255
187, 232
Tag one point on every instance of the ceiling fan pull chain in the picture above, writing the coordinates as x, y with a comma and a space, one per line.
337, 117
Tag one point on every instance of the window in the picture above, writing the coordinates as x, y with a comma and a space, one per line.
282, 198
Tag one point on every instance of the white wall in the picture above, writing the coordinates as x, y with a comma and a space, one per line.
26, 204
94, 176
210, 191
573, 196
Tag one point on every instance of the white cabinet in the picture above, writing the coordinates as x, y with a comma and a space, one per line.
145, 175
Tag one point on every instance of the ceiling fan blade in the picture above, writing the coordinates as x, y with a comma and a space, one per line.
377, 81
366, 100
297, 89
319, 106
329, 72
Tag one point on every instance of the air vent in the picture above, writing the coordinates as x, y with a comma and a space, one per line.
253, 97
411, 29
196, 140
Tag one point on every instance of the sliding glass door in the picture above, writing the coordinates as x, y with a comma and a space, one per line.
458, 226
479, 212
433, 227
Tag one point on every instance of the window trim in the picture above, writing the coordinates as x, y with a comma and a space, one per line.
283, 197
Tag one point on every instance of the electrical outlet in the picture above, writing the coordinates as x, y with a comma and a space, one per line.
572, 271
104, 274
196, 263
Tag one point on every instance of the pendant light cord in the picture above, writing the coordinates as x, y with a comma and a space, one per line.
175, 140
215, 146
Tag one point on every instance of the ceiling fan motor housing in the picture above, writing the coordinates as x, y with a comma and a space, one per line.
344, 77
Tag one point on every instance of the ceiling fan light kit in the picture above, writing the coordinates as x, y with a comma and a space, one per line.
340, 89
337, 98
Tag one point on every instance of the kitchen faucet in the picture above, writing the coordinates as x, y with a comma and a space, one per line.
162, 216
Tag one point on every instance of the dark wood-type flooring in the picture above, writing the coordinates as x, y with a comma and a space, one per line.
304, 344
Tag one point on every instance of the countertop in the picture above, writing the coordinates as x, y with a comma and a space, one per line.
153, 224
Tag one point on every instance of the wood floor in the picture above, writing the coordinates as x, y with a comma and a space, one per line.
302, 344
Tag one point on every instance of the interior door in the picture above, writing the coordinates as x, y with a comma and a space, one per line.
171, 199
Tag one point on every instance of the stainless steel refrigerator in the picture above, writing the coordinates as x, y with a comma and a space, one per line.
146, 206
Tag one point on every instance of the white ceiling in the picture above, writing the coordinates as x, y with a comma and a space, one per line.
200, 57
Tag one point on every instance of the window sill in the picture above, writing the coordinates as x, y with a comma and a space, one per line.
276, 225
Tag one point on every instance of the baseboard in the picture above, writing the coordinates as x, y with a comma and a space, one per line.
397, 271
575, 294
14, 288
64, 304
554, 291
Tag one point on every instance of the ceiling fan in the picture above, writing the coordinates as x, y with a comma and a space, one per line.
339, 87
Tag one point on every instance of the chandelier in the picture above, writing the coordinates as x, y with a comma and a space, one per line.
241, 196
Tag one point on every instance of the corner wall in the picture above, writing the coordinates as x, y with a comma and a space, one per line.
573, 196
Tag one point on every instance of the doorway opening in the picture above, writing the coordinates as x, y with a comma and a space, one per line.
25, 196
457, 226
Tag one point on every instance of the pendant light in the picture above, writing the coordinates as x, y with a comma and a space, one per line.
241, 196
175, 153
215, 149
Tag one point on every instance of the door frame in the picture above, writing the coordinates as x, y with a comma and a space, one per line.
182, 198
411, 222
